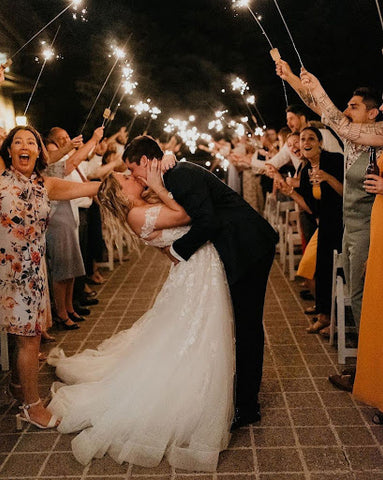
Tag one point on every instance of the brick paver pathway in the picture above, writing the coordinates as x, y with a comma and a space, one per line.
309, 430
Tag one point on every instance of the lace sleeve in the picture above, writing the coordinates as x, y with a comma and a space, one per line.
151, 216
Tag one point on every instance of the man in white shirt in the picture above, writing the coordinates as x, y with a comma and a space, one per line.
296, 120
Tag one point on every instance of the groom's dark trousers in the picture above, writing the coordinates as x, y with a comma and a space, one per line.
248, 296
246, 245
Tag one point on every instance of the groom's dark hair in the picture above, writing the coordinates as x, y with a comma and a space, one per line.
143, 145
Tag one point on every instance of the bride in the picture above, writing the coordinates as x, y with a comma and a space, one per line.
164, 386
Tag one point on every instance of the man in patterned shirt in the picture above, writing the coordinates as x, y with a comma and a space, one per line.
357, 120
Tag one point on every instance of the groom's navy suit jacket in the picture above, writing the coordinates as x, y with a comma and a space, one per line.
240, 235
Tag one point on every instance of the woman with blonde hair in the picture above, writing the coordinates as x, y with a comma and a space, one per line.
165, 386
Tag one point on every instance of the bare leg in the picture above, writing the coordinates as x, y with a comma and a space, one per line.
27, 368
69, 295
60, 293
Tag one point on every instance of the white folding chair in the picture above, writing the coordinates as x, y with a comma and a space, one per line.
339, 301
4, 356
293, 243
282, 208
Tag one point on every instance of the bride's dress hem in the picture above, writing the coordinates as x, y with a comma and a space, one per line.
164, 387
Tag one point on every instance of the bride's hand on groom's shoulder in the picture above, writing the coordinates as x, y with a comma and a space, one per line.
168, 161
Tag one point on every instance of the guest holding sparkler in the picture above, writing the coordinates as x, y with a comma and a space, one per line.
358, 120
63, 249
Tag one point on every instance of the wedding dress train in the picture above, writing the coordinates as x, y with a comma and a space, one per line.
164, 386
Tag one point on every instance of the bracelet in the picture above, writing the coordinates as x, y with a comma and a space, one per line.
169, 194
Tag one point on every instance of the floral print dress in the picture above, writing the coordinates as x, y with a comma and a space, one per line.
24, 211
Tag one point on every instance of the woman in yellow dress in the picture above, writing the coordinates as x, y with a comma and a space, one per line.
368, 385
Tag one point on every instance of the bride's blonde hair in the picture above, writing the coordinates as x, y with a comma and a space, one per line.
114, 208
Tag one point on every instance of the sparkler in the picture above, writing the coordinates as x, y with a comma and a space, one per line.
74, 4
81, 12
245, 3
189, 135
139, 108
119, 54
47, 54
127, 85
379, 13
288, 32
241, 86
154, 112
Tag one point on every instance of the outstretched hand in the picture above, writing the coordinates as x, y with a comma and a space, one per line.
283, 69
77, 142
309, 80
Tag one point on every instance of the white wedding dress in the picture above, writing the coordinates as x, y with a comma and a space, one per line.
164, 386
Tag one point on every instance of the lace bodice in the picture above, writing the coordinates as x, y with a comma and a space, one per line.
167, 236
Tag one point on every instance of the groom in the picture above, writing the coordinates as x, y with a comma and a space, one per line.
246, 245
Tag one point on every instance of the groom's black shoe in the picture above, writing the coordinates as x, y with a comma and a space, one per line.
242, 418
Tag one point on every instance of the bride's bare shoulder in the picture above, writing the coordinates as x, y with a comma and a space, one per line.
136, 218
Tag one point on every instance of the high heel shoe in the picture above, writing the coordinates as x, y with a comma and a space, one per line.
75, 317
53, 422
64, 323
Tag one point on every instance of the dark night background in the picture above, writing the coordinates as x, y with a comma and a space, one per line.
184, 52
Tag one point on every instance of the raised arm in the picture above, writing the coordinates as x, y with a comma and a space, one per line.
304, 91
59, 189
172, 214
55, 154
83, 152
361, 133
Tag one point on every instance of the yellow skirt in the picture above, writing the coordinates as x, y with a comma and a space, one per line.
307, 265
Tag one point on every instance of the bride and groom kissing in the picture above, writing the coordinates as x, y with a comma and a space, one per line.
165, 386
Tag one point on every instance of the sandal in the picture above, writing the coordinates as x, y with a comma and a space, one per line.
53, 422
318, 326
378, 418
46, 338
63, 322
43, 356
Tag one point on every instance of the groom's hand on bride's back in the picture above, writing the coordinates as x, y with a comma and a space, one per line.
166, 251
168, 161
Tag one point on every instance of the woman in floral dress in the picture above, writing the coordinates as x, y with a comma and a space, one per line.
24, 211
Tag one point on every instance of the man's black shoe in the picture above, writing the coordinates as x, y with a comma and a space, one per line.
306, 295
240, 420
87, 302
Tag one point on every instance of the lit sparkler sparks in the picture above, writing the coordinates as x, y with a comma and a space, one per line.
189, 135
119, 54
239, 85
77, 12
258, 18
74, 4
47, 54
